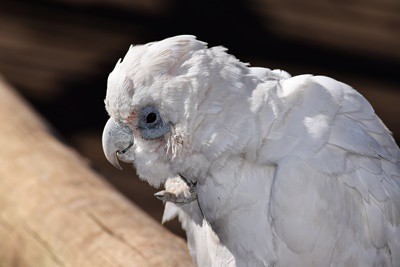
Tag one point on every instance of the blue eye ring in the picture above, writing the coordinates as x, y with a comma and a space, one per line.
151, 125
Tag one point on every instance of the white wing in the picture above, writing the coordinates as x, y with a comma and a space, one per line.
336, 194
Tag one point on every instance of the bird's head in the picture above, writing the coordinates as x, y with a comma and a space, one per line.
174, 108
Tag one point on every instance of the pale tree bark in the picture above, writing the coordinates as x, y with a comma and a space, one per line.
55, 211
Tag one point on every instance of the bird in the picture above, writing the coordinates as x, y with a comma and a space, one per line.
262, 168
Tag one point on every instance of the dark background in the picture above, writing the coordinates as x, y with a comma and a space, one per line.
58, 55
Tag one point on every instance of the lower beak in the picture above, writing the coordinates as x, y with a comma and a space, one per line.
118, 143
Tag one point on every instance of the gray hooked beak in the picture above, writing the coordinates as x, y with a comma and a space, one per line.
117, 143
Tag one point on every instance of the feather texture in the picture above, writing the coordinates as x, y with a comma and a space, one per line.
290, 171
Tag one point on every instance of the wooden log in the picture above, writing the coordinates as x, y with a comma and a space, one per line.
55, 211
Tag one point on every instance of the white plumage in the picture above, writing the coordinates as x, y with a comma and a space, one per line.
288, 171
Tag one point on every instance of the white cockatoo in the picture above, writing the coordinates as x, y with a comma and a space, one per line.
262, 169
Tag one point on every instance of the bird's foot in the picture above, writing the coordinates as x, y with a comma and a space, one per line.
178, 190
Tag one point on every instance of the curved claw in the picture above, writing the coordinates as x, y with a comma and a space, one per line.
178, 191
117, 143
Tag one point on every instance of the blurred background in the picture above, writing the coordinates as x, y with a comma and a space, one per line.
58, 54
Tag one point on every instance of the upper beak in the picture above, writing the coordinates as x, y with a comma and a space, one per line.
117, 143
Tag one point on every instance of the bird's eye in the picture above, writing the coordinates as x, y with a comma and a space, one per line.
151, 117
151, 125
